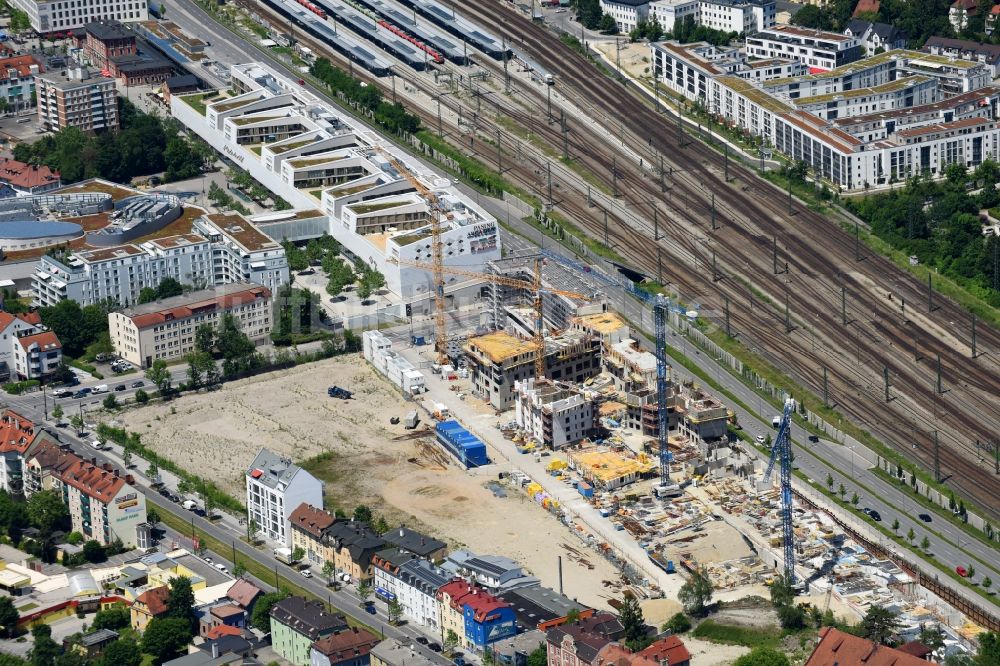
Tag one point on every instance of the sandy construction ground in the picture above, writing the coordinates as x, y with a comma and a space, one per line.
351, 446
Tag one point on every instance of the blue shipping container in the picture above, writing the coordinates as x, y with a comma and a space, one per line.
585, 489
461, 443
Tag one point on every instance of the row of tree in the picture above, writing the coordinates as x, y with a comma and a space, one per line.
685, 31
591, 16
145, 144
392, 117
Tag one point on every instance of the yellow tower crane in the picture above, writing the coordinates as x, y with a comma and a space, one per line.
534, 286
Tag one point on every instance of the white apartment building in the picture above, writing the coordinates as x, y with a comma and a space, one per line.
36, 354
275, 488
241, 252
166, 329
315, 157
552, 415
49, 16
743, 16
104, 505
818, 50
413, 582
223, 249
626, 13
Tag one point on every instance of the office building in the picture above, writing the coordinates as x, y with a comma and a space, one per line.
62, 16
165, 329
742, 16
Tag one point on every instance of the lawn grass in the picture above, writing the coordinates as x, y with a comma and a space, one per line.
728, 634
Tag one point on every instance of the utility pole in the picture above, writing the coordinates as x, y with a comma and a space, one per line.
774, 253
885, 376
548, 102
727, 162
729, 333
614, 177
506, 74
440, 129
618, 57
857, 242
715, 272
937, 458
916, 355
606, 243
713, 212
499, 154
548, 170
788, 318
656, 225
392, 73
939, 389
565, 133
973, 336
930, 293
843, 305
663, 187
826, 389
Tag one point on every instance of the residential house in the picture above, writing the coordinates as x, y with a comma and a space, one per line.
452, 612
492, 572
104, 505
386, 565
414, 542
417, 587
160, 569
542, 608
876, 36
573, 645
354, 545
244, 594
959, 13
603, 624
275, 488
669, 650
838, 647
348, 648
17, 81
966, 49
991, 20
151, 603
228, 615
25, 178
236, 650
297, 623
482, 617
45, 463
21, 352
92, 645
309, 525
16, 437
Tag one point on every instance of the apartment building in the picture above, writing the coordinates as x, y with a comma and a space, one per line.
742, 16
17, 437
76, 99
626, 13
103, 503
102, 41
48, 16
552, 415
241, 252
17, 81
275, 488
818, 50
309, 526
297, 623
166, 329
28, 350
44, 464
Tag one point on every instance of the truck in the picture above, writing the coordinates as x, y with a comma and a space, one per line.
190, 505
411, 420
669, 490
101, 388
337, 392
284, 555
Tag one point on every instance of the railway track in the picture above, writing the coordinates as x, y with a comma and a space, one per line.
750, 217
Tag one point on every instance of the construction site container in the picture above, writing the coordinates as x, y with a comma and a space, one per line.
585, 489
399, 371
411, 420
465, 446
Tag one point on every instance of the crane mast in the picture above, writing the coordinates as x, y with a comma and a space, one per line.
781, 452
660, 322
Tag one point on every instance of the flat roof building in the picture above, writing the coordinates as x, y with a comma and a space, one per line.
63, 16
89, 103
275, 488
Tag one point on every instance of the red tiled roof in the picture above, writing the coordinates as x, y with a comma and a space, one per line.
865, 6
243, 592
26, 176
16, 432
155, 600
916, 648
96, 482
22, 64
671, 649
482, 603
251, 294
47, 341
35, 319
837, 647
220, 630
967, 5
347, 645
48, 455
311, 519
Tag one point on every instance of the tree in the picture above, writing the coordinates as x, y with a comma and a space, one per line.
239, 570
910, 536
630, 615
57, 413
329, 568
160, 376
152, 517
607, 24
298, 553
841, 491
47, 512
114, 618
763, 656
180, 602
166, 638
169, 287
932, 637
925, 543
123, 652
93, 551
46, 650
8, 617
261, 617
987, 583
204, 338
450, 641
230, 340
855, 499
679, 623
362, 514
879, 624
829, 481
792, 618
141, 397
110, 402
394, 610
895, 525
147, 295
77, 422
364, 591
696, 593
202, 369
782, 592
989, 649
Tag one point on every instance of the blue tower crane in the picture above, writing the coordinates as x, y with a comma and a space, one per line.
660, 323
782, 452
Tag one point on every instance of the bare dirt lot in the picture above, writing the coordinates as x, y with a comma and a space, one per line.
351, 446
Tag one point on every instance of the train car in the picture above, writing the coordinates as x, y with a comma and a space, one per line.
399, 32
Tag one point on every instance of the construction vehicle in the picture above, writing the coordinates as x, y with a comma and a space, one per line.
337, 392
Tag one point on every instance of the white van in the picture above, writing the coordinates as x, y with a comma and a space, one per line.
97, 444
103, 388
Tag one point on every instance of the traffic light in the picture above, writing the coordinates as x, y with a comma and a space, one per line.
409, 310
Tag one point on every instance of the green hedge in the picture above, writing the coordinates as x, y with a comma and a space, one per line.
17, 388
207, 488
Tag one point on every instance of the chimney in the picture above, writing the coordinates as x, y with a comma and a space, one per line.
215, 649
93, 461
129, 479
116, 472
400, 532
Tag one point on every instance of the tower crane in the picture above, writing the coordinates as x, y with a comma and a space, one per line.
781, 452
534, 286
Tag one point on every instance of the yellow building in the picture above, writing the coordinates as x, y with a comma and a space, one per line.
151, 603
161, 573
452, 612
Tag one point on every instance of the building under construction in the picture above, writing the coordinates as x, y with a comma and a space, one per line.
553, 414
496, 360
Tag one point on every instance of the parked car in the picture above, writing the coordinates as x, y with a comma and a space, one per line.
760, 440
875, 515
307, 573
436, 647
422, 640
62, 393
82, 393
925, 517
813, 438
165, 493
138, 383
101, 388
120, 387
961, 571
370, 609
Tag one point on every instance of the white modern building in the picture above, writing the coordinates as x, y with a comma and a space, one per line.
275, 488
626, 13
315, 157
552, 414
743, 16
49, 16
816, 49
223, 249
